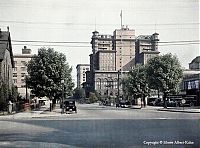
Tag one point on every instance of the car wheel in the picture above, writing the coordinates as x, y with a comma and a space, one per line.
191, 104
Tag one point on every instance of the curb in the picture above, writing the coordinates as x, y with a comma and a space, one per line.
184, 111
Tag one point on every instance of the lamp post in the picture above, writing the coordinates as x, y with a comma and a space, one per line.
62, 82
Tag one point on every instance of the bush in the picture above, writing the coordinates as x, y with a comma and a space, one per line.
3, 106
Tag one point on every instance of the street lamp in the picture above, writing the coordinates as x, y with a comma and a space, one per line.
62, 82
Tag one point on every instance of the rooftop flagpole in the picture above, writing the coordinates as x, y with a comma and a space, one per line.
121, 18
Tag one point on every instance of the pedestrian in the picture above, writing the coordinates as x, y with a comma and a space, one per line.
10, 107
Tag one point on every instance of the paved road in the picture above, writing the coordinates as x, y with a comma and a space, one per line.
104, 127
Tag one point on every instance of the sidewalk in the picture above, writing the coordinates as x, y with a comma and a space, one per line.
169, 109
181, 109
40, 113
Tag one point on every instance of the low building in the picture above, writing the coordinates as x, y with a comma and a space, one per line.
191, 79
20, 71
195, 64
6, 63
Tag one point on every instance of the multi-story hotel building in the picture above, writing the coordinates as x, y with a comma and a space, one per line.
20, 71
146, 47
113, 56
124, 45
81, 73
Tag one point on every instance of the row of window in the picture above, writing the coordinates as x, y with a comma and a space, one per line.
15, 81
87, 69
22, 62
22, 68
22, 74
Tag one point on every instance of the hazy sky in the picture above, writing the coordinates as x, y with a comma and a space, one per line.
75, 20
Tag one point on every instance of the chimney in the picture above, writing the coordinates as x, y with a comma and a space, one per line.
8, 28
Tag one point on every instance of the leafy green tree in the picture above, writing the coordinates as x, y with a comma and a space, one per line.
135, 84
79, 93
14, 94
164, 73
92, 97
46, 70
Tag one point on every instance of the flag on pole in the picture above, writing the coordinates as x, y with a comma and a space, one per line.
121, 18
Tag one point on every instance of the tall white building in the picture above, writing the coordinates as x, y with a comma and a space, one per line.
81, 73
20, 71
124, 45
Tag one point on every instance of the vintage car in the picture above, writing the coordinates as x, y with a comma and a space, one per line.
70, 106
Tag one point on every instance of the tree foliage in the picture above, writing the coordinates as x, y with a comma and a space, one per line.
135, 84
79, 93
92, 97
164, 73
46, 70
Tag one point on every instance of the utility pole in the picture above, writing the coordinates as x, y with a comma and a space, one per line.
62, 82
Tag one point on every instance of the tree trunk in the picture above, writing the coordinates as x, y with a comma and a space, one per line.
164, 100
144, 101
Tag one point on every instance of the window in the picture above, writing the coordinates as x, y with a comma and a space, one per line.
15, 62
23, 85
14, 74
23, 68
22, 80
14, 80
23, 74
15, 69
23, 63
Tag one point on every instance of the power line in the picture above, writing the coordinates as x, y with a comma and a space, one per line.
43, 45
85, 42
57, 42
63, 23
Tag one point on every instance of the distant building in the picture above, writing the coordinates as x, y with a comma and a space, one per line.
113, 56
146, 47
124, 45
6, 62
191, 80
20, 71
81, 73
195, 64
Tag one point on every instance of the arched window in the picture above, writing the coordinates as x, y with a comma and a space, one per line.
105, 83
98, 83
115, 84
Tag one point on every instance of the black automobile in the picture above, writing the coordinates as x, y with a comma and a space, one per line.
125, 104
70, 106
156, 102
174, 102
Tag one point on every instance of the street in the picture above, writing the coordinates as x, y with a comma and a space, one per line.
100, 126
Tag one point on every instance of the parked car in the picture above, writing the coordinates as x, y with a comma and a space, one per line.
155, 102
125, 104
174, 102
189, 101
70, 106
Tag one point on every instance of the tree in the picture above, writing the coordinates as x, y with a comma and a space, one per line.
136, 83
79, 93
92, 97
164, 73
3, 96
46, 70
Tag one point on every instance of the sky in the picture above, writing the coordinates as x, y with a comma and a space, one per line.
176, 21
